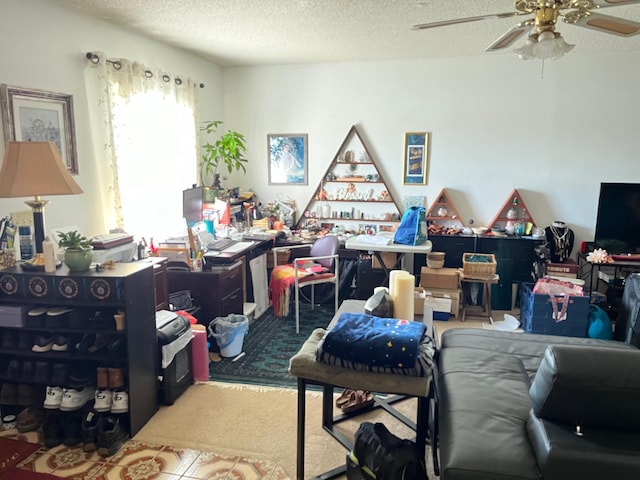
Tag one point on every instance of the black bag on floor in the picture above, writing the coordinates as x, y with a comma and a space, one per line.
182, 300
379, 454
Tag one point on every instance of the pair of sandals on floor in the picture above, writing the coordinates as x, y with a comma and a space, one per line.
351, 400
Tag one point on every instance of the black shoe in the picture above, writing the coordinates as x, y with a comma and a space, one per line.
9, 394
111, 436
102, 341
43, 343
14, 370
25, 340
101, 321
28, 371
9, 340
58, 317
83, 345
117, 349
26, 395
53, 429
82, 377
36, 318
60, 375
73, 429
89, 431
41, 373
60, 343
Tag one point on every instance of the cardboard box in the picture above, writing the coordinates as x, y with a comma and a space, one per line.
454, 294
448, 278
388, 258
441, 305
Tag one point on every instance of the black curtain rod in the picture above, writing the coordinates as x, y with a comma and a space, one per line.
93, 58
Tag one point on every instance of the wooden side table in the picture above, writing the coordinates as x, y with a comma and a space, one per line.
486, 294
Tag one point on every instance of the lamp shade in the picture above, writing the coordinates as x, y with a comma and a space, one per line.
35, 169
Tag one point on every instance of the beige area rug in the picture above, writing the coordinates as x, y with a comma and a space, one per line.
259, 423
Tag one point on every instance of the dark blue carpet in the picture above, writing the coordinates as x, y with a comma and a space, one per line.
268, 346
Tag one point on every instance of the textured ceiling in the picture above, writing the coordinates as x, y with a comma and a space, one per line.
271, 32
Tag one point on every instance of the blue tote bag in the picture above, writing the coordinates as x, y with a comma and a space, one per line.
413, 227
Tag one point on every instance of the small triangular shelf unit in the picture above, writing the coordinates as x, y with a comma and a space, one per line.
443, 212
512, 211
352, 196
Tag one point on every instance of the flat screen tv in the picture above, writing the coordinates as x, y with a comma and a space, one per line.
192, 203
618, 220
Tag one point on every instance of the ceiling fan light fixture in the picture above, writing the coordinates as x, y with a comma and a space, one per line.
525, 52
544, 45
551, 45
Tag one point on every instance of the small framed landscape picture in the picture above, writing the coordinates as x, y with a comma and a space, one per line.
30, 115
416, 158
288, 158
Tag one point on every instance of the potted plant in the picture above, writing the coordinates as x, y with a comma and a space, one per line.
78, 252
229, 150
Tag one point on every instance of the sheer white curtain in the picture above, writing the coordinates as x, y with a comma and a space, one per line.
143, 123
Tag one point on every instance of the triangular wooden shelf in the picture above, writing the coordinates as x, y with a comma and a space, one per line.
443, 211
506, 215
353, 194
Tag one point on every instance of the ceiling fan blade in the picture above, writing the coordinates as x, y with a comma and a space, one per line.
612, 3
510, 36
443, 23
607, 24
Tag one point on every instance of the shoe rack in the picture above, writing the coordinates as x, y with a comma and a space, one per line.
353, 194
81, 336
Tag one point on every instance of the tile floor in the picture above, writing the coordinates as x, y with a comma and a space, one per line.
143, 461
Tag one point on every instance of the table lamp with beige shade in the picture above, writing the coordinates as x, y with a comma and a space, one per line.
35, 169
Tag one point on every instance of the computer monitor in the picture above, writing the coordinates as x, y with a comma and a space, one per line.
192, 204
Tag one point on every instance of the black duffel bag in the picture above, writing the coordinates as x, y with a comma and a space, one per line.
182, 300
379, 454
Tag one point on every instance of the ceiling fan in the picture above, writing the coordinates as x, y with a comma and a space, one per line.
544, 41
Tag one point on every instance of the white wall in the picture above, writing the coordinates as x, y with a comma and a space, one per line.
43, 47
495, 125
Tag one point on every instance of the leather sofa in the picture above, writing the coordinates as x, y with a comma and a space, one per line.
524, 406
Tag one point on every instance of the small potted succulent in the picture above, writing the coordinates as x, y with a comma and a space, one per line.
78, 252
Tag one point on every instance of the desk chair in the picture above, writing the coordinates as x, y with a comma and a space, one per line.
324, 252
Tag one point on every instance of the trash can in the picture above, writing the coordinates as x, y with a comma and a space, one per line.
174, 352
229, 332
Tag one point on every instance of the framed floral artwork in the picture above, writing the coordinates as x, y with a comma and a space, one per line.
40, 116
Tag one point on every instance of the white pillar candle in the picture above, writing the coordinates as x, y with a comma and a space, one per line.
393, 274
403, 301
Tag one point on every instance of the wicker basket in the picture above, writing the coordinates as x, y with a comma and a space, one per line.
476, 265
283, 257
435, 259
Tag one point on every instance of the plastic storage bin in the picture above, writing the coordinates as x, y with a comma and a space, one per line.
536, 314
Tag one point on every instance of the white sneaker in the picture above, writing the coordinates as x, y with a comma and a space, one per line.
104, 400
53, 398
120, 402
73, 399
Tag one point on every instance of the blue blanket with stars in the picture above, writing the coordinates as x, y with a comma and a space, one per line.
375, 341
